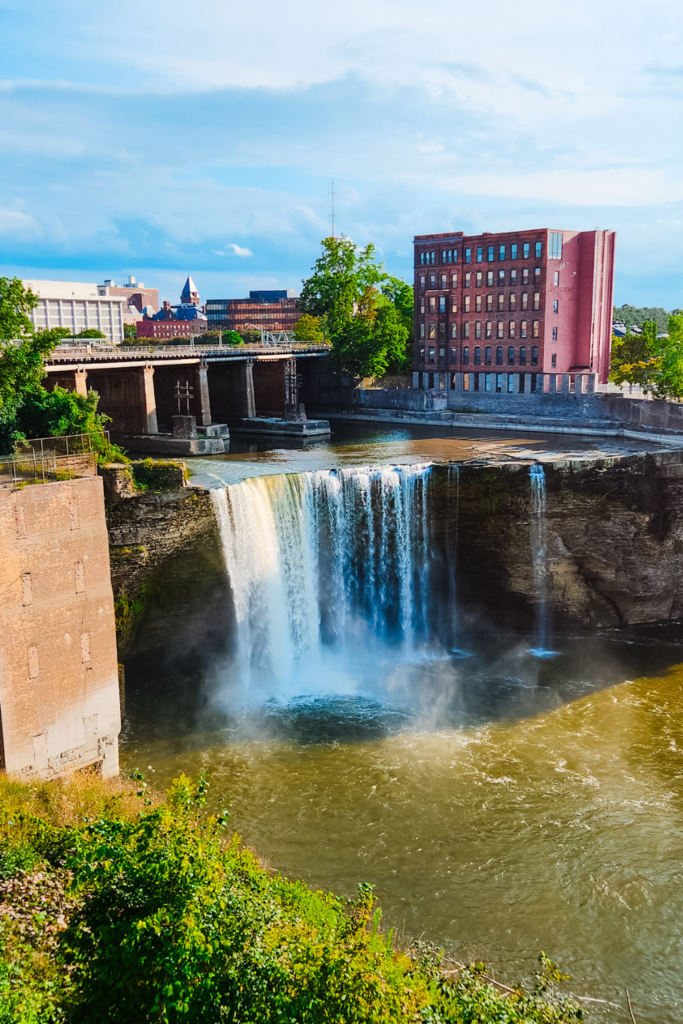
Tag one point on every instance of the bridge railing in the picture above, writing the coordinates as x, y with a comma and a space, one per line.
47, 459
169, 351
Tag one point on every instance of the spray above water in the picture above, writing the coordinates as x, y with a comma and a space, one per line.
329, 573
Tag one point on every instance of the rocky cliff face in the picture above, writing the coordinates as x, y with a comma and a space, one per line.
614, 539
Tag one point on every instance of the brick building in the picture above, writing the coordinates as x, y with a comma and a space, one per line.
538, 299
268, 310
137, 296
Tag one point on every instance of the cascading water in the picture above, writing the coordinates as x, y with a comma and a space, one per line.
334, 561
539, 555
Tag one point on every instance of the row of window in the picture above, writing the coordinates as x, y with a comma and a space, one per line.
514, 357
500, 252
441, 303
528, 382
431, 329
445, 281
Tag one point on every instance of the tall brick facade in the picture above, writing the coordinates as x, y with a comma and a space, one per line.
537, 299
59, 692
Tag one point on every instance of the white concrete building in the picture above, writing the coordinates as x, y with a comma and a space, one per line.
78, 306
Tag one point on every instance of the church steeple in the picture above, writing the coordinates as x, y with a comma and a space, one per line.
189, 295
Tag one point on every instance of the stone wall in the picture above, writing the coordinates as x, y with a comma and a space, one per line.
59, 690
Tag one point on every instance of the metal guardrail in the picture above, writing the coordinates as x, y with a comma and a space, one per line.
48, 459
125, 352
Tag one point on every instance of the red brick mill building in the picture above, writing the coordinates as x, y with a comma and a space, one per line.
527, 301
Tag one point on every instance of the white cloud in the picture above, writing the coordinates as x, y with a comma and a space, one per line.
18, 224
232, 249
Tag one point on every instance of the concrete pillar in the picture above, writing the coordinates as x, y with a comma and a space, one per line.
81, 382
246, 383
578, 385
425, 381
552, 383
590, 383
416, 381
457, 377
202, 395
148, 410
564, 384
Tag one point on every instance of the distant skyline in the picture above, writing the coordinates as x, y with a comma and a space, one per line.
161, 139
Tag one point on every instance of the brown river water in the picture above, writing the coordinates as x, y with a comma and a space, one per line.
500, 804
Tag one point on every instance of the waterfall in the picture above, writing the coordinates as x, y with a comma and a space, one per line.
539, 556
327, 561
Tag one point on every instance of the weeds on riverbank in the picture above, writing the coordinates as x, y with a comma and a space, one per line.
119, 907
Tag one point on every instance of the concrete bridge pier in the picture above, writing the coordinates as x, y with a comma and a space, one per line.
127, 394
192, 375
230, 386
71, 380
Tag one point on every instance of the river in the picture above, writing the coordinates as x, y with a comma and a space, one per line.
501, 803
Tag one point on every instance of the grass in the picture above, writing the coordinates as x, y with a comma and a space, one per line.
120, 905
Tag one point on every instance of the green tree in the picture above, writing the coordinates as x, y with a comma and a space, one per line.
639, 315
130, 332
636, 358
91, 332
59, 412
368, 313
309, 328
668, 383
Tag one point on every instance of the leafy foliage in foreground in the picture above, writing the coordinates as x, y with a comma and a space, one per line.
157, 916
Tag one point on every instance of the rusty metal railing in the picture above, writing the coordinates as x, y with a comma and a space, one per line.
49, 459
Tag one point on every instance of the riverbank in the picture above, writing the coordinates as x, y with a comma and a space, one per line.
119, 906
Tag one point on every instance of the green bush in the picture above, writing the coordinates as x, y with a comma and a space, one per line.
161, 917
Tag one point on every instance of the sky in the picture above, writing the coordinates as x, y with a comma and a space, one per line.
165, 138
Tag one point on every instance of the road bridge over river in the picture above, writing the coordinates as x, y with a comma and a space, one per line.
137, 386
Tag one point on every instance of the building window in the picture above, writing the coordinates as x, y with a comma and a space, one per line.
489, 279
513, 302
477, 303
513, 278
422, 330
442, 353
525, 300
454, 304
432, 331
511, 355
511, 329
501, 278
455, 255
487, 381
522, 355
454, 280
422, 281
432, 304
501, 253
454, 353
522, 329
480, 278
490, 254
539, 250
525, 276
513, 251
536, 328
444, 280
442, 330
534, 355
442, 304
432, 280
487, 355
556, 278
467, 303
422, 258
489, 302
444, 256
489, 329
468, 255
554, 333
553, 360
468, 277
499, 382
555, 245
433, 257
499, 355
422, 304
501, 302
454, 330
466, 354
501, 329
477, 329
480, 255
526, 250
466, 329
431, 355
537, 300
511, 382
422, 354
477, 356
556, 305
537, 276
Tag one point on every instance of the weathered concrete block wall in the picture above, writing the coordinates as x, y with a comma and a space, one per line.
269, 386
231, 390
59, 691
638, 413
350, 399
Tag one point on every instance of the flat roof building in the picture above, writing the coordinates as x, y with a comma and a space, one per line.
265, 309
539, 299
77, 307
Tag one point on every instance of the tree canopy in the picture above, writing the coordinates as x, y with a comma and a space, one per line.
637, 316
655, 363
366, 313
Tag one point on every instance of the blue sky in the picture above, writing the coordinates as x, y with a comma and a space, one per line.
167, 138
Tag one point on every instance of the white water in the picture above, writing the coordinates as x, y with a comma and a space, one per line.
323, 567
539, 555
